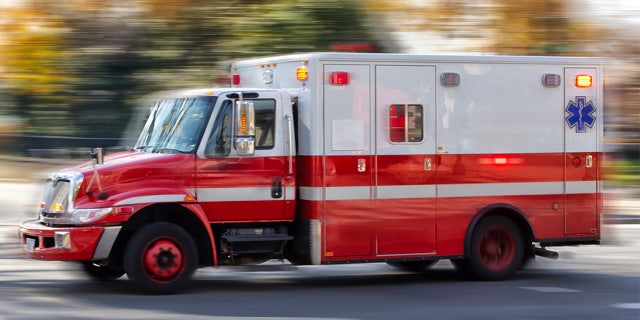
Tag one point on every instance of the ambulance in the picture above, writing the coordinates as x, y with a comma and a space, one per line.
333, 158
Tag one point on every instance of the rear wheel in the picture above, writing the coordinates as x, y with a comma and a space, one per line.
497, 250
413, 266
160, 258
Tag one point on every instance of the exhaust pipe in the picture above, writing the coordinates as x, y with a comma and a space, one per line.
546, 253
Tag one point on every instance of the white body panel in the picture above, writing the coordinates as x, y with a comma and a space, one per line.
500, 105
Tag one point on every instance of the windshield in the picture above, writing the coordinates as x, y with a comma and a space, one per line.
175, 125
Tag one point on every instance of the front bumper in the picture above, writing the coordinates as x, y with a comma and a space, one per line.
66, 244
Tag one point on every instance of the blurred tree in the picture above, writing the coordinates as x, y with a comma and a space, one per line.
285, 26
33, 56
497, 26
76, 67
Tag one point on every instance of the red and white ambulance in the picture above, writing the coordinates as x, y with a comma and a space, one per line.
326, 158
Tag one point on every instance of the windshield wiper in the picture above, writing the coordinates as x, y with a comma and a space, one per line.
170, 150
141, 147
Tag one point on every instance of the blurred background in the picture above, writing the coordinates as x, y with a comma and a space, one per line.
74, 73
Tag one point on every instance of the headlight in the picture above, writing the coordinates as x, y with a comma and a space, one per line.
88, 215
77, 216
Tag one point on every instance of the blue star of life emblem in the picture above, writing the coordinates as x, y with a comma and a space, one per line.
580, 114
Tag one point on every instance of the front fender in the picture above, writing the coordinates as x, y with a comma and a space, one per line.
197, 210
151, 196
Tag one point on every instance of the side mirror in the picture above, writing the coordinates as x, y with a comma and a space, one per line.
97, 155
245, 146
244, 128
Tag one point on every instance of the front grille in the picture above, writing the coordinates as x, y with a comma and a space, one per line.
59, 196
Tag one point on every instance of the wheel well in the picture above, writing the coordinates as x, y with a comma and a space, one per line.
169, 212
512, 214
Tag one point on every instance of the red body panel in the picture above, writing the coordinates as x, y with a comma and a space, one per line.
83, 242
380, 228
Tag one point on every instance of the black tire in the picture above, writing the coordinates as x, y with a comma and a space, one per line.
413, 266
160, 258
497, 250
102, 273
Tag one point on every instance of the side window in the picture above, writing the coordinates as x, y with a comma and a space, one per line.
265, 123
219, 143
405, 123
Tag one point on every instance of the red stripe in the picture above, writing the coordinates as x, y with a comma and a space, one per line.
582, 173
446, 169
387, 225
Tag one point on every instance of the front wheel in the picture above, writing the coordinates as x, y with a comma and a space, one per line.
160, 258
497, 250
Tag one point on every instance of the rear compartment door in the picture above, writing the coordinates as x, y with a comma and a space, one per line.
405, 215
348, 162
582, 120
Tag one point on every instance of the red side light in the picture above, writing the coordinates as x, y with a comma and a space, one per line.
125, 210
576, 162
500, 161
340, 78
235, 79
583, 81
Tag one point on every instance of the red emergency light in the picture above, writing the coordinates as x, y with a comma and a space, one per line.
583, 81
340, 78
235, 79
500, 161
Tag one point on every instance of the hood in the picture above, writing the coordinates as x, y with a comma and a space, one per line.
127, 173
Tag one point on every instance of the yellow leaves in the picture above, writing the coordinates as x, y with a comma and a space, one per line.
32, 56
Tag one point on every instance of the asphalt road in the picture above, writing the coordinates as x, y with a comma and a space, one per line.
588, 282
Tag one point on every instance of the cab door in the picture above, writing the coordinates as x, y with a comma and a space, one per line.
234, 188
583, 114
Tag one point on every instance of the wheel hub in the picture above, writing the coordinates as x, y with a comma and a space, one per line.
163, 259
497, 249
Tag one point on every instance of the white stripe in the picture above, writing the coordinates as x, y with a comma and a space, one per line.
152, 199
448, 190
234, 194
311, 193
411, 191
348, 193
396, 192
290, 193
499, 189
581, 187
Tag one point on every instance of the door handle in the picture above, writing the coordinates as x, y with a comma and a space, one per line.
362, 165
276, 188
427, 164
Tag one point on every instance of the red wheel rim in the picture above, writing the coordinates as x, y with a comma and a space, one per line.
163, 259
497, 248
